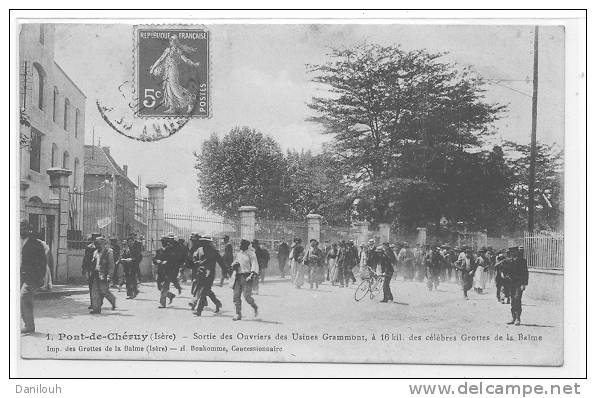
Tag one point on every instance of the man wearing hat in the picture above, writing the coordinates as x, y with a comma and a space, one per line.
246, 269
102, 270
204, 260
515, 273
33, 268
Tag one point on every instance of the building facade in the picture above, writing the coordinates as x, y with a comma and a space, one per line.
52, 128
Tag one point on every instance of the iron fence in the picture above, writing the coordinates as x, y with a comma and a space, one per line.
182, 225
545, 251
114, 214
270, 233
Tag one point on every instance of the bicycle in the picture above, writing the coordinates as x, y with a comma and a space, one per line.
371, 285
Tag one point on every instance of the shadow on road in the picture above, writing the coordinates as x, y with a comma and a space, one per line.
533, 325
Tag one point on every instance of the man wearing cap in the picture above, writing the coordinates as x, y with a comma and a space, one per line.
465, 266
102, 270
246, 269
313, 259
500, 283
164, 259
33, 268
228, 258
385, 264
87, 265
205, 259
349, 261
515, 272
433, 262
283, 255
406, 258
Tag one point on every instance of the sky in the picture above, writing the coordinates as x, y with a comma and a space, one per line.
259, 79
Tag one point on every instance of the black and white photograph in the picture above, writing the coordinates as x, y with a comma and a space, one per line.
358, 192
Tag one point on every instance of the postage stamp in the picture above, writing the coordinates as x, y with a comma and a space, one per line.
171, 67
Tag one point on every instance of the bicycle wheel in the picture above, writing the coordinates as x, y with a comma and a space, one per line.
376, 287
362, 290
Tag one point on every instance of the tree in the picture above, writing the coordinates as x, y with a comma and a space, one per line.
548, 188
314, 186
400, 120
242, 168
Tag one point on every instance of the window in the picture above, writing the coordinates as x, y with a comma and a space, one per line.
76, 126
54, 154
65, 160
55, 112
38, 84
35, 151
75, 172
42, 34
66, 111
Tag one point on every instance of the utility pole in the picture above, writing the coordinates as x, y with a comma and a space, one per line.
532, 181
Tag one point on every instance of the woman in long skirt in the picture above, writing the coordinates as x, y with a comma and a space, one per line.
479, 274
297, 264
332, 264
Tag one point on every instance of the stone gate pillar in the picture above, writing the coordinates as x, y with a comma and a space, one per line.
157, 214
59, 196
385, 232
313, 222
248, 221
362, 232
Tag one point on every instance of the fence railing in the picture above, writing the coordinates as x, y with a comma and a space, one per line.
545, 251
115, 214
182, 225
270, 233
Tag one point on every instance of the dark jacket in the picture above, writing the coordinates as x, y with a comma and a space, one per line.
106, 265
165, 259
283, 252
228, 256
263, 257
87, 265
136, 252
515, 271
385, 262
206, 261
298, 253
33, 262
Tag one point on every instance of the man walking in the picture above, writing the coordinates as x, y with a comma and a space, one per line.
385, 264
515, 272
164, 259
314, 261
246, 269
263, 258
205, 259
283, 255
33, 269
228, 258
465, 266
433, 262
103, 268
